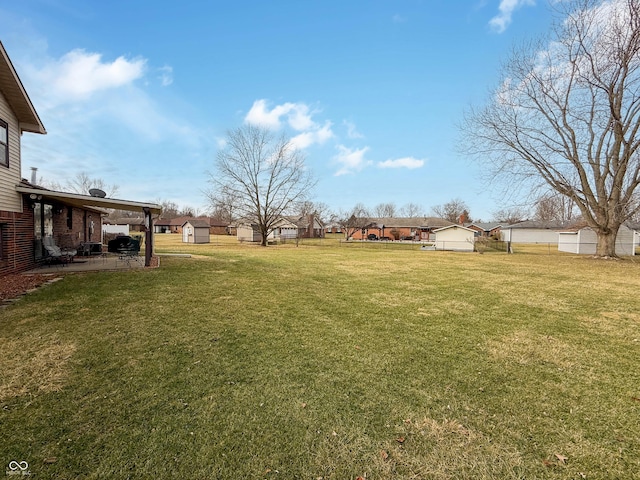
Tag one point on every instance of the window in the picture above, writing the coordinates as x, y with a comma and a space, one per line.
4, 144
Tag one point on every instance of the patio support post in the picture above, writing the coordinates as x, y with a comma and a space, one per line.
148, 241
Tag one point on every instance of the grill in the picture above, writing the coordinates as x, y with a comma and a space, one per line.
123, 244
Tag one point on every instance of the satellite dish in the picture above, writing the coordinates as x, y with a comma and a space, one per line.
96, 192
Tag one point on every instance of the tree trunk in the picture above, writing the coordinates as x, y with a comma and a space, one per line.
606, 243
263, 233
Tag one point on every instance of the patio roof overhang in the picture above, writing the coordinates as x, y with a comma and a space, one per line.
87, 201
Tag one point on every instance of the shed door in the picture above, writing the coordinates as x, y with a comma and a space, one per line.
186, 233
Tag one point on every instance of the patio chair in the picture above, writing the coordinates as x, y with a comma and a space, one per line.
54, 252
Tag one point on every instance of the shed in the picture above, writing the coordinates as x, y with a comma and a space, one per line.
248, 232
583, 241
530, 231
455, 237
195, 230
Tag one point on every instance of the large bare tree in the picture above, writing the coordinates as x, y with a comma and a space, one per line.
412, 210
385, 210
354, 220
454, 210
266, 176
567, 113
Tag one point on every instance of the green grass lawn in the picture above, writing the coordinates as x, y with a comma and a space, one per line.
327, 361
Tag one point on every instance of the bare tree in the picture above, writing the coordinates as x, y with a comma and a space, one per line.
509, 215
81, 184
169, 209
555, 208
385, 210
353, 220
265, 176
452, 211
222, 205
412, 210
567, 115
318, 209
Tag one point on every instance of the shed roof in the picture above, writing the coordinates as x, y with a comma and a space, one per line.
454, 226
197, 222
538, 225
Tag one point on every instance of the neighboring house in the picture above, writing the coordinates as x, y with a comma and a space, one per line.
123, 225
392, 228
491, 229
456, 238
305, 226
584, 240
219, 227
196, 230
333, 228
162, 225
175, 224
286, 228
530, 231
32, 216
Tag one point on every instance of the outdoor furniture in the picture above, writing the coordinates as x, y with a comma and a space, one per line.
55, 253
127, 248
90, 248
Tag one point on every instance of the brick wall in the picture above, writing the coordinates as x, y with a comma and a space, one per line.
16, 229
71, 226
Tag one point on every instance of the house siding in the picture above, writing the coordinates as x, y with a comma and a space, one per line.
10, 200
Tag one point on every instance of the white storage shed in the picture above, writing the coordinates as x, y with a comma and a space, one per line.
456, 238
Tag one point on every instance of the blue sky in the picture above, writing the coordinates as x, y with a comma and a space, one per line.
141, 93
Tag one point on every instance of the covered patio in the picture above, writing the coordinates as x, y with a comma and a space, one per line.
41, 195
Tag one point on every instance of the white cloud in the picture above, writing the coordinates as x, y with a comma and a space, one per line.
406, 162
78, 74
298, 116
500, 22
352, 132
351, 160
166, 76
318, 135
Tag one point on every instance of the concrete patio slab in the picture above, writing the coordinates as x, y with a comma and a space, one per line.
92, 264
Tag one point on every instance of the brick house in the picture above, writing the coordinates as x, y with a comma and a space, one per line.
31, 215
391, 228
